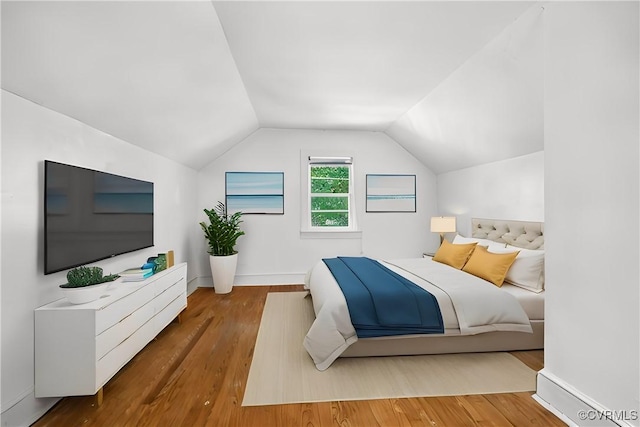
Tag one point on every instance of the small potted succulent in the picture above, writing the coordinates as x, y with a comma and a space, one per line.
86, 284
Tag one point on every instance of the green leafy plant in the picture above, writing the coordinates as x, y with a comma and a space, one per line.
223, 230
86, 276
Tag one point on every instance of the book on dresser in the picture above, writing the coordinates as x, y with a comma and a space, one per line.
80, 347
136, 274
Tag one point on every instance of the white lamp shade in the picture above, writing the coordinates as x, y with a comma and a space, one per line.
443, 224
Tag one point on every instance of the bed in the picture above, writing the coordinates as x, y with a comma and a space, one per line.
477, 315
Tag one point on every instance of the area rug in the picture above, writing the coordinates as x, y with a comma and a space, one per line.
282, 371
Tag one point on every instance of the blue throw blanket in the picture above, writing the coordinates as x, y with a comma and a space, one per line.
382, 302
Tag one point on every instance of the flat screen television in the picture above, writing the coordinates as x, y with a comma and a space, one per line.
92, 215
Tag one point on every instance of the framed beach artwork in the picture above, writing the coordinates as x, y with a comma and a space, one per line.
255, 192
391, 193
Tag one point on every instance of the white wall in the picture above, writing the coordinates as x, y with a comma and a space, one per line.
592, 326
488, 109
31, 134
273, 251
508, 189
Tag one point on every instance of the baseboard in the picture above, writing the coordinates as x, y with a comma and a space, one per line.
256, 280
270, 279
576, 409
554, 411
26, 410
192, 285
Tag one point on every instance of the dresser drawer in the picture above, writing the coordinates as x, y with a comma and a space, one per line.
119, 332
169, 280
168, 313
114, 360
134, 296
167, 296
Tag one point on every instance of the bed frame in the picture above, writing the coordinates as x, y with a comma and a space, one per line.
524, 234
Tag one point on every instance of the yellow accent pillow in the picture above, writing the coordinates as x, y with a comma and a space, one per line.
454, 255
489, 266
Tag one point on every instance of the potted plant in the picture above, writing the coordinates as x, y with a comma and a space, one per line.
86, 284
222, 233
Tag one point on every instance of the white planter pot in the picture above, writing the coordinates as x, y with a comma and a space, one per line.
223, 270
85, 294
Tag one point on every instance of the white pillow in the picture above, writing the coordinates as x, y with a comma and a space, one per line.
527, 271
483, 242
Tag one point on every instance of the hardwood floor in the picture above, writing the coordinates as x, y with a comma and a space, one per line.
195, 372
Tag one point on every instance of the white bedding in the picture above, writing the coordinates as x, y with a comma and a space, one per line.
531, 302
469, 306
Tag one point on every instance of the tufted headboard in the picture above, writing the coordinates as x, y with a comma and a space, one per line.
523, 234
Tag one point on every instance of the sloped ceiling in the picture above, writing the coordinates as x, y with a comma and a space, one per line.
188, 79
156, 74
489, 109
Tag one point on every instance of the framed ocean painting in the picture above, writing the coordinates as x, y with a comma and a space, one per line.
391, 193
255, 192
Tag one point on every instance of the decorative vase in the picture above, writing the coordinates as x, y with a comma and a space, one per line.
223, 270
85, 294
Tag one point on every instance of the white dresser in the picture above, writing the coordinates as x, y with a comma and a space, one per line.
78, 348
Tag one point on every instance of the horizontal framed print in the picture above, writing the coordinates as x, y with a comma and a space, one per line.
391, 193
255, 192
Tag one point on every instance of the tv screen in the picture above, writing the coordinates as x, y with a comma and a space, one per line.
92, 215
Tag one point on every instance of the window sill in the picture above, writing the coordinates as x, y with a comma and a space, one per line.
308, 234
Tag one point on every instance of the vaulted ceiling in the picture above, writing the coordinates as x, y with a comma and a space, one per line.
448, 80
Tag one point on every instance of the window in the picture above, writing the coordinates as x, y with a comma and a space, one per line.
330, 196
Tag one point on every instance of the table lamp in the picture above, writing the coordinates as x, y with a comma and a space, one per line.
443, 224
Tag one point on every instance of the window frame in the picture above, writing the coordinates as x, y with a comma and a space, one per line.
311, 195
307, 229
